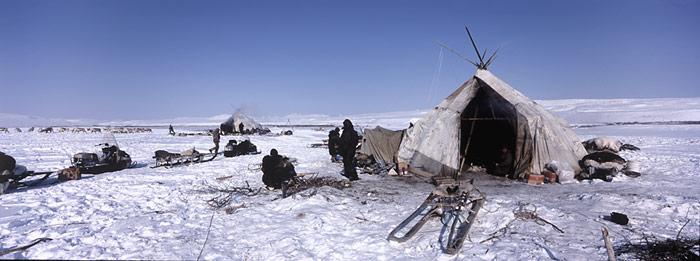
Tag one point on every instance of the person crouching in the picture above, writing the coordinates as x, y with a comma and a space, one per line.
276, 170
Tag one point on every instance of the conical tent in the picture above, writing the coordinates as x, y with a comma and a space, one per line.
231, 124
479, 119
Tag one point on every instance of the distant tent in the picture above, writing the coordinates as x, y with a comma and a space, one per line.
480, 117
381, 143
231, 124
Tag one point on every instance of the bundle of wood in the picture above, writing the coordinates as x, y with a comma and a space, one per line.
300, 184
652, 248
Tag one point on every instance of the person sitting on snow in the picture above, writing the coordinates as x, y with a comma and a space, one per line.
503, 163
7, 168
7, 162
276, 170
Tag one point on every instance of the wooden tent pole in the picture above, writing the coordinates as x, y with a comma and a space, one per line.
469, 140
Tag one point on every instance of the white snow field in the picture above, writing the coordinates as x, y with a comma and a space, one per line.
162, 213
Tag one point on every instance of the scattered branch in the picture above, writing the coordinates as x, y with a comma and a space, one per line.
207, 237
300, 184
522, 213
226, 194
681, 230
653, 248
25, 247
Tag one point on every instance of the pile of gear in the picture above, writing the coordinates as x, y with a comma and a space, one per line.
604, 162
368, 165
233, 148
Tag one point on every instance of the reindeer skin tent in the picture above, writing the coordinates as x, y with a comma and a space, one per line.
231, 124
481, 115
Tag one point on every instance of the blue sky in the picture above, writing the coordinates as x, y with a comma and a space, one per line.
163, 59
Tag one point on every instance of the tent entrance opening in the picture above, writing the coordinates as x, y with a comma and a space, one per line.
488, 133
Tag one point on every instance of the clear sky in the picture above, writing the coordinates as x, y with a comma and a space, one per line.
132, 59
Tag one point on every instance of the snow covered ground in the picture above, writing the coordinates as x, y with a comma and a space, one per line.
146, 213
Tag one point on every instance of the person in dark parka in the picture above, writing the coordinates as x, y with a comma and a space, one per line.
7, 162
276, 169
333, 143
348, 144
240, 128
7, 168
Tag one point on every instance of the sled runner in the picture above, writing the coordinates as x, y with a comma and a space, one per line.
451, 201
16, 178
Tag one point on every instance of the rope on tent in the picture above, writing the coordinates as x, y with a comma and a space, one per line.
436, 76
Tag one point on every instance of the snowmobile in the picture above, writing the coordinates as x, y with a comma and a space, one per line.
168, 159
450, 201
232, 149
112, 159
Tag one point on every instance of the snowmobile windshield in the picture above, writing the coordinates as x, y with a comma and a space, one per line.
107, 140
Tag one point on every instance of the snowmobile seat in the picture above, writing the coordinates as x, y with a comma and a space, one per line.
230, 150
84, 157
109, 149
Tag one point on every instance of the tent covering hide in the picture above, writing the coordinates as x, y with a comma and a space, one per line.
381, 143
482, 106
231, 124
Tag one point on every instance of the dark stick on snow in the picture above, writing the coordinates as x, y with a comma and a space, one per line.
207, 237
679, 231
34, 242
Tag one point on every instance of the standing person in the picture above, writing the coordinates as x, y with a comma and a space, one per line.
348, 144
171, 130
240, 127
216, 137
333, 142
